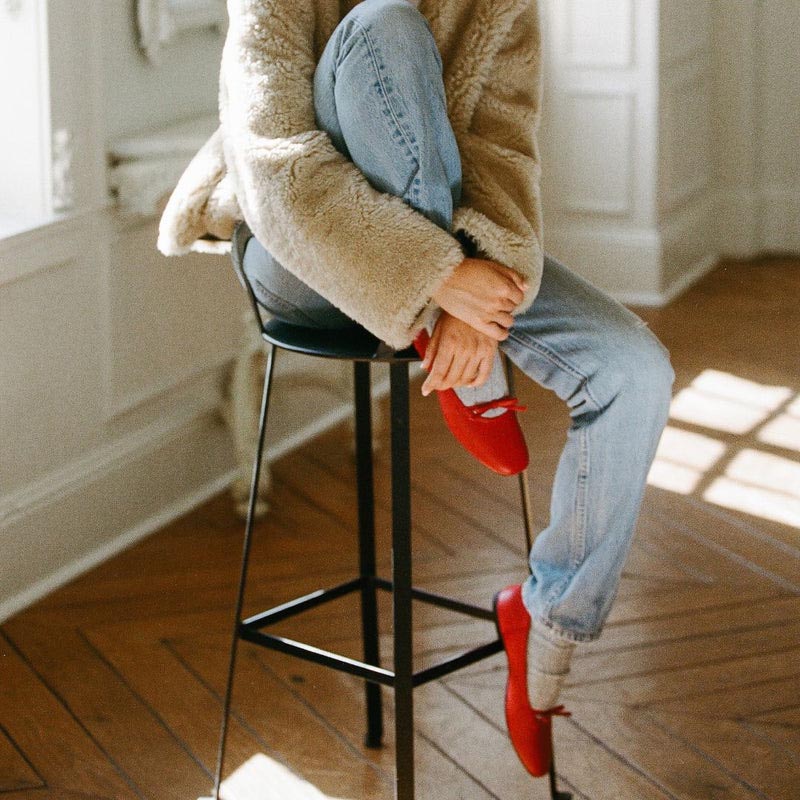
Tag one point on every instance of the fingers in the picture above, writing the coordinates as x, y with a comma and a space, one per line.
493, 330
439, 368
433, 346
484, 370
504, 319
450, 368
458, 356
517, 279
515, 285
455, 374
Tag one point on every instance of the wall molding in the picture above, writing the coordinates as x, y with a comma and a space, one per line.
85, 562
49, 244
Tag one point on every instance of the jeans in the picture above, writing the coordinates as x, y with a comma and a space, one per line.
378, 92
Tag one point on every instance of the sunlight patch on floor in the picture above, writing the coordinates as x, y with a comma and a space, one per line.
682, 459
755, 482
725, 402
783, 431
263, 778
760, 483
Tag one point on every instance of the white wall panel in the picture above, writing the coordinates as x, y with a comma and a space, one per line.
50, 371
599, 141
686, 139
170, 319
685, 29
596, 157
756, 117
599, 33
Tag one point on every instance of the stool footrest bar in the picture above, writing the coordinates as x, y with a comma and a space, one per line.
442, 601
299, 604
369, 672
457, 662
314, 654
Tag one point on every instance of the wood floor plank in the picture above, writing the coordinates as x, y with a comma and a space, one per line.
339, 698
733, 617
686, 774
696, 680
757, 761
673, 604
756, 695
757, 552
16, 771
685, 653
308, 744
110, 712
57, 745
586, 764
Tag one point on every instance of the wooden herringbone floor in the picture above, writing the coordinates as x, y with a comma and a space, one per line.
110, 687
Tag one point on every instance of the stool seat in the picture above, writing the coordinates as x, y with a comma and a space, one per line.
352, 344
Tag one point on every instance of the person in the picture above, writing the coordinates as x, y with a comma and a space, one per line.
380, 166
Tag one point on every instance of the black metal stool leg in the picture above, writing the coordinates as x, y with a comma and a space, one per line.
248, 535
524, 490
527, 518
401, 577
366, 547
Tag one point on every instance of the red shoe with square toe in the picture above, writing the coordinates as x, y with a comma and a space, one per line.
530, 729
497, 442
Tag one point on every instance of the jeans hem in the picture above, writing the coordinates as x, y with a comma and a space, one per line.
550, 630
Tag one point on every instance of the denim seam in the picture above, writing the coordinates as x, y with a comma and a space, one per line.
578, 541
532, 342
396, 115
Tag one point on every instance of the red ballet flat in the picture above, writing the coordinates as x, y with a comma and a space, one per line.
497, 442
530, 729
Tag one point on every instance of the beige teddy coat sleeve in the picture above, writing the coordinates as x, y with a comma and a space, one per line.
501, 200
369, 253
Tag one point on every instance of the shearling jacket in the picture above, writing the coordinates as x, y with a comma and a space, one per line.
376, 258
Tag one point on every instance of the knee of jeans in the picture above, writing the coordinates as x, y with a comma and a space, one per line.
391, 17
647, 366
634, 371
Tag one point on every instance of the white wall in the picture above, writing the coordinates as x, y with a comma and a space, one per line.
113, 357
669, 137
757, 125
599, 142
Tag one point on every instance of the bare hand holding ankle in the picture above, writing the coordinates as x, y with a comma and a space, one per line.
457, 355
482, 294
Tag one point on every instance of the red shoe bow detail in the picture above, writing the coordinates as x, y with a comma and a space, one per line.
555, 711
510, 403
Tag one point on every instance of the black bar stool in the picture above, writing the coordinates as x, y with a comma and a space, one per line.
362, 348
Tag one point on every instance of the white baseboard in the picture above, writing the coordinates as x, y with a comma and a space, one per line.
657, 299
780, 220
83, 563
753, 221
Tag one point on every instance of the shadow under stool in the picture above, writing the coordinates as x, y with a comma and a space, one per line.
362, 348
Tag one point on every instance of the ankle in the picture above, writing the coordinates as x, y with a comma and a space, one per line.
549, 662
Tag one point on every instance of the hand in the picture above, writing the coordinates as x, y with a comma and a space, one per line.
457, 355
483, 294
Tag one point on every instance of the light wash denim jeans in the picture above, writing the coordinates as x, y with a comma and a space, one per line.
379, 94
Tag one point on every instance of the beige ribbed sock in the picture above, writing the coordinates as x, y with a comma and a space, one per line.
548, 666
